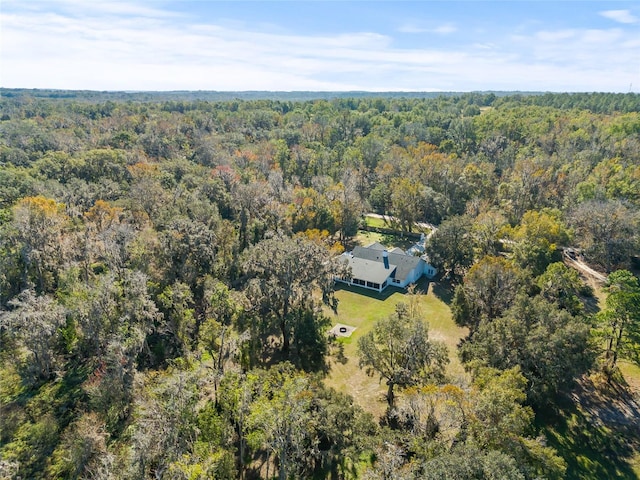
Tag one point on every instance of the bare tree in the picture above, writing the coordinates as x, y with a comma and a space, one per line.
35, 321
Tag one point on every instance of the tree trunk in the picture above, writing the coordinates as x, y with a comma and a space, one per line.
285, 337
241, 432
609, 351
283, 327
618, 341
390, 395
283, 465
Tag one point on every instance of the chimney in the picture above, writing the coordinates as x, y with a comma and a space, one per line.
385, 259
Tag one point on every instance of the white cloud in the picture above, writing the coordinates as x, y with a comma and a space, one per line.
139, 48
621, 16
411, 28
557, 36
607, 49
444, 29
107, 7
484, 46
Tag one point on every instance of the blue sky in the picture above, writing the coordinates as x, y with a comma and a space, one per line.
320, 45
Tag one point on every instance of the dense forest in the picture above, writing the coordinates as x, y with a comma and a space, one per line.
166, 283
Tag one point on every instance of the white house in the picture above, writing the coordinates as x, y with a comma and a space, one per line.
376, 268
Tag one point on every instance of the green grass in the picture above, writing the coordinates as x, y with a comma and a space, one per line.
361, 308
376, 222
365, 238
631, 373
592, 450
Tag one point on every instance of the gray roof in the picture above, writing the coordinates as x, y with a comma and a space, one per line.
404, 263
369, 270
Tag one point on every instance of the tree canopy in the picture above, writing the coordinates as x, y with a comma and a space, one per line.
166, 278
399, 350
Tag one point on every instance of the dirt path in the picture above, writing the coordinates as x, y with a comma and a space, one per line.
585, 269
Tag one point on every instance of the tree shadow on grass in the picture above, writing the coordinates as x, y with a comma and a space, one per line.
271, 353
590, 303
596, 434
443, 290
336, 351
402, 242
382, 296
390, 240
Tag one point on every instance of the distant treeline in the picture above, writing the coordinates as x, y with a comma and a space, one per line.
212, 95
597, 102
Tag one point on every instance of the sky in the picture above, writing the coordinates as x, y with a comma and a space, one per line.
320, 45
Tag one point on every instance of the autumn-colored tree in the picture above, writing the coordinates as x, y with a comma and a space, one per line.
347, 207
407, 202
309, 210
538, 239
562, 285
41, 229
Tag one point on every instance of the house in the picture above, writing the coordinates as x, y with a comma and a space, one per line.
376, 268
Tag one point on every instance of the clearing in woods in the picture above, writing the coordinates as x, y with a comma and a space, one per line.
361, 308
